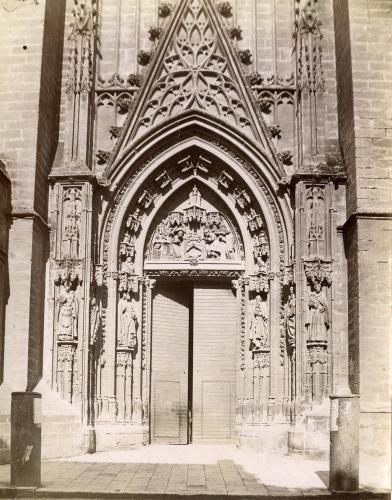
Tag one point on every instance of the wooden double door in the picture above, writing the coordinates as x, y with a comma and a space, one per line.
193, 360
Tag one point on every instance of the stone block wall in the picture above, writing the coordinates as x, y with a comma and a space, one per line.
364, 71
31, 38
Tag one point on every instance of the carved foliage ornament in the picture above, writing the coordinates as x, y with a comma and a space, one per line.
195, 75
318, 354
68, 270
318, 271
66, 353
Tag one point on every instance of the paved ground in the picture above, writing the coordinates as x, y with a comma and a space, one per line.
213, 471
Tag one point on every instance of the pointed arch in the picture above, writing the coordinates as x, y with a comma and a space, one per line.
194, 124
139, 169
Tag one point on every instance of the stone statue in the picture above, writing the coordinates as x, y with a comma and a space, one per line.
67, 314
230, 250
127, 323
71, 225
128, 266
95, 319
318, 314
316, 221
290, 318
215, 245
259, 325
195, 197
176, 241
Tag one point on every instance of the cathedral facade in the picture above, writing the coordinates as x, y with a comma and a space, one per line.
195, 221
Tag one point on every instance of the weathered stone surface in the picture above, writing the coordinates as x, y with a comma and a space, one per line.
247, 147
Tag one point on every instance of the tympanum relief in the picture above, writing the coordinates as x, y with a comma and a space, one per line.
193, 232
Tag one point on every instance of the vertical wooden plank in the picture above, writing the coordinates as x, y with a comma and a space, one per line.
169, 367
215, 312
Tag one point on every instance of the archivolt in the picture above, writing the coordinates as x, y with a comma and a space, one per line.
138, 188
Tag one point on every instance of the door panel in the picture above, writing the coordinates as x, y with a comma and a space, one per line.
167, 409
169, 363
214, 340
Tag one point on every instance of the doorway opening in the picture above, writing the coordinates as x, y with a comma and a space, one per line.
193, 365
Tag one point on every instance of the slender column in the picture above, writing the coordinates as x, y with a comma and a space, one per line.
146, 346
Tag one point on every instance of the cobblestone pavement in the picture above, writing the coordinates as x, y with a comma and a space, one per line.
241, 475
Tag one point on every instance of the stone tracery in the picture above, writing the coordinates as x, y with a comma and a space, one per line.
195, 74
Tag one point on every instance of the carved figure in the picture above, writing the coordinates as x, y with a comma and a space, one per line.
259, 325
316, 220
215, 245
127, 322
177, 243
192, 233
318, 314
230, 251
195, 197
290, 318
71, 225
128, 266
261, 265
95, 319
67, 314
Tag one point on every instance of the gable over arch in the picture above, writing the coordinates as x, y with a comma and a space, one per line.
194, 127
195, 67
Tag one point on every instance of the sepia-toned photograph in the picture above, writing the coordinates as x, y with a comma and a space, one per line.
195, 249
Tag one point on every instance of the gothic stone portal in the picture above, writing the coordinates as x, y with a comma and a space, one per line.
209, 314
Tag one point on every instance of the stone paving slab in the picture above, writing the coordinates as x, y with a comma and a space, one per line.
172, 472
160, 481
